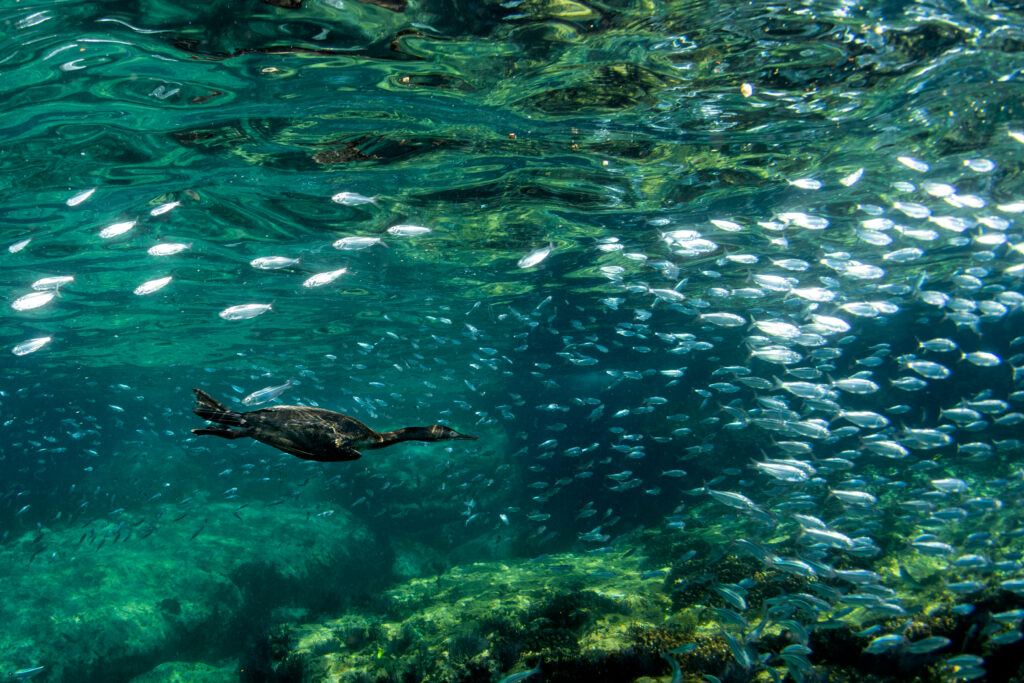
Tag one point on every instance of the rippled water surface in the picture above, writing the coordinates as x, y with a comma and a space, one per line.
729, 293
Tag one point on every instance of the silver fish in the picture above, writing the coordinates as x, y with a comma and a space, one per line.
52, 283
267, 394
116, 229
321, 279
19, 245
352, 199
355, 242
30, 346
535, 256
32, 301
151, 286
273, 262
163, 208
30, 672
168, 248
244, 311
79, 197
405, 230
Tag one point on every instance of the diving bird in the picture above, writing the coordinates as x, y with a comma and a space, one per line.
308, 433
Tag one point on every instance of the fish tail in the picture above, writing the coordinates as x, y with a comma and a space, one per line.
213, 410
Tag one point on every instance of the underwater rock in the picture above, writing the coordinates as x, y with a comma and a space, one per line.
616, 617
414, 559
480, 621
181, 585
188, 672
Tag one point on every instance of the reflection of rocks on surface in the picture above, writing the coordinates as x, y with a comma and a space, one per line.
393, 5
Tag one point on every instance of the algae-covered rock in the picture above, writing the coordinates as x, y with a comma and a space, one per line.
414, 559
480, 621
115, 597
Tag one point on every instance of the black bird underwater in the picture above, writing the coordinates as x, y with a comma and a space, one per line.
309, 433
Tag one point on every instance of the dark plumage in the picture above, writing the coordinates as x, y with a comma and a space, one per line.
308, 433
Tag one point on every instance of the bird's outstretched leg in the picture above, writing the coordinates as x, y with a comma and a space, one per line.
222, 432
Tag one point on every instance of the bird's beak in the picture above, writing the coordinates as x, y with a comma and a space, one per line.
466, 437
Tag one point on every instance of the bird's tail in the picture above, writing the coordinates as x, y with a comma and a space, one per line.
209, 408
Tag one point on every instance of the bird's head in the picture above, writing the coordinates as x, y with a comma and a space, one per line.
442, 433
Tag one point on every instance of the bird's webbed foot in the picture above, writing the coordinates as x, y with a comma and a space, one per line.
222, 432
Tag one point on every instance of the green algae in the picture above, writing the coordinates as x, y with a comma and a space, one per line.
609, 615
481, 619
103, 612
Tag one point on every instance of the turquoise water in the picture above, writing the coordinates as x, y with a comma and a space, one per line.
729, 293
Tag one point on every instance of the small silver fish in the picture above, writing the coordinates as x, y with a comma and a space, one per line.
324, 278
852, 178
885, 643
244, 311
80, 197
535, 256
722, 319
168, 248
856, 385
951, 485
163, 208
30, 346
732, 499
19, 245
354, 242
52, 283
777, 354
267, 394
273, 262
833, 539
352, 199
940, 344
405, 230
25, 674
926, 368
982, 359
31, 301
151, 286
857, 498
782, 471
116, 229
